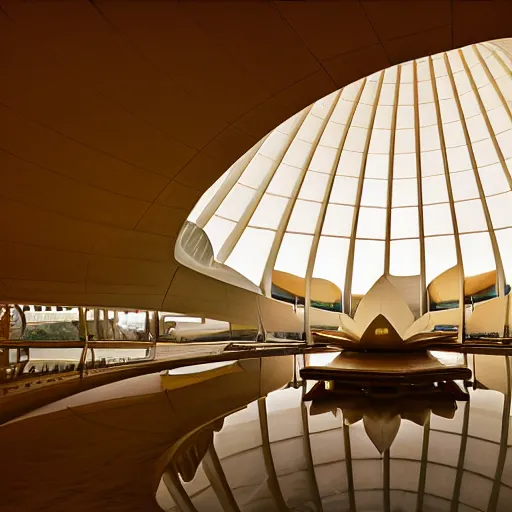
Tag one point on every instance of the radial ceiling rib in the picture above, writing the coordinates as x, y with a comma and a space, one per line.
266, 280
234, 175
490, 128
347, 291
458, 250
419, 187
494, 243
323, 210
391, 163
235, 235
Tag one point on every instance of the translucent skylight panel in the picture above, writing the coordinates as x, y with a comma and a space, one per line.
458, 159
310, 129
383, 117
505, 143
505, 86
500, 209
427, 114
258, 169
377, 166
470, 56
344, 190
489, 97
332, 135
236, 202
356, 139
322, 107
404, 223
494, 67
429, 138
477, 128
455, 62
423, 69
437, 220
374, 192
494, 179
477, 254
298, 154
404, 166
504, 239
390, 75
464, 185
369, 92
453, 135
431, 163
405, 117
439, 66
406, 94
324, 159
500, 120
331, 260
462, 83
404, 259
470, 216
314, 186
405, 141
252, 267
362, 115
217, 230
368, 265
484, 152
469, 104
284, 180
293, 254
274, 145
304, 217
434, 189
350, 163
449, 110
444, 88
425, 93
440, 255
338, 220
387, 94
269, 212
405, 192
379, 142
371, 223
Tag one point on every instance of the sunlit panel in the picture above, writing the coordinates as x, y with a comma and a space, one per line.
323, 176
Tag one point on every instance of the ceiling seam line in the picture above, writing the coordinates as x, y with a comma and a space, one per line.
375, 32
349, 270
322, 213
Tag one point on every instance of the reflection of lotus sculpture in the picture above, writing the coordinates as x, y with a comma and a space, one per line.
384, 321
382, 410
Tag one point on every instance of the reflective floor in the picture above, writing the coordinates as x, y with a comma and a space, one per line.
432, 450
250, 435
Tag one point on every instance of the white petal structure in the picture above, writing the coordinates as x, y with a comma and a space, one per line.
405, 173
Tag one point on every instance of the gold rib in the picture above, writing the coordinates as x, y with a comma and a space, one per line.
451, 202
348, 465
237, 170
423, 466
419, 184
462, 457
391, 163
502, 455
317, 500
273, 482
266, 280
321, 217
234, 236
347, 291
177, 491
495, 248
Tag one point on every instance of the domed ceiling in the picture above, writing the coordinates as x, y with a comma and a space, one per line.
406, 172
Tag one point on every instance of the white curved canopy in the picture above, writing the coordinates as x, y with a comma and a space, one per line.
405, 172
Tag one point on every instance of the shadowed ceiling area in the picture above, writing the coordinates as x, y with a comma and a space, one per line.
116, 116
